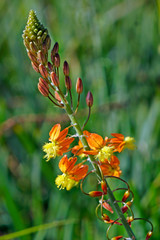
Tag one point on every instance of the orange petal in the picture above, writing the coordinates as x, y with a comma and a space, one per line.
65, 164
95, 141
54, 133
78, 172
118, 135
62, 135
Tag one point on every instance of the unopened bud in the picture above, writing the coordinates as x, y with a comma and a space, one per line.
95, 194
66, 68
68, 82
105, 217
31, 56
107, 206
43, 82
149, 234
47, 43
50, 66
117, 238
57, 96
55, 48
44, 90
41, 57
79, 86
104, 186
35, 66
89, 99
43, 71
54, 79
33, 47
125, 207
57, 60
125, 196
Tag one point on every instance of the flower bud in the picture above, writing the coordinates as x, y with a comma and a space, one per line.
41, 57
55, 48
33, 47
47, 43
50, 66
95, 194
89, 99
104, 186
31, 56
117, 238
68, 82
125, 207
125, 196
43, 71
66, 68
57, 96
57, 60
79, 86
105, 217
54, 79
35, 66
43, 87
149, 234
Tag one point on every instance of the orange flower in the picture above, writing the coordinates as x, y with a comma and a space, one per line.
120, 142
98, 147
112, 168
58, 144
72, 173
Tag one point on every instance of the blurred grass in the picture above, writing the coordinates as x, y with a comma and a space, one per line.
114, 47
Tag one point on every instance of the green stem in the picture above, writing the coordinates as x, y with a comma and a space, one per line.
98, 172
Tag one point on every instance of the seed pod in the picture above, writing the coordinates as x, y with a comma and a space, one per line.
79, 86
54, 79
89, 99
66, 68
68, 82
43, 71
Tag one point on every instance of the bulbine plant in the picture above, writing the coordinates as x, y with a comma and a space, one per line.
92, 151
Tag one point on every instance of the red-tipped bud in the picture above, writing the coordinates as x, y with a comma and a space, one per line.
89, 99
43, 87
50, 66
41, 57
66, 68
79, 86
43, 71
105, 217
125, 196
56, 60
68, 82
54, 79
31, 56
117, 238
104, 186
95, 194
35, 66
125, 207
149, 234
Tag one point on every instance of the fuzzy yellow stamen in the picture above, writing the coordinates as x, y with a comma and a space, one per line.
51, 150
63, 181
130, 143
105, 153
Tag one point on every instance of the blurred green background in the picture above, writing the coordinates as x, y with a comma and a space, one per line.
114, 47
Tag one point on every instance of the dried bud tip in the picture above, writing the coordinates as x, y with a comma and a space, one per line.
68, 82
89, 99
79, 86
56, 60
66, 68
54, 79
95, 194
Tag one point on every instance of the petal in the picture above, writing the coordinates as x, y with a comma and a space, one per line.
62, 135
78, 172
55, 131
66, 164
95, 141
118, 135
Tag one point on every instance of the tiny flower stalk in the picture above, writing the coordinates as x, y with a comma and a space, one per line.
98, 151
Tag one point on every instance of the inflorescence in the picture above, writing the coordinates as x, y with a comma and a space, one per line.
92, 148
